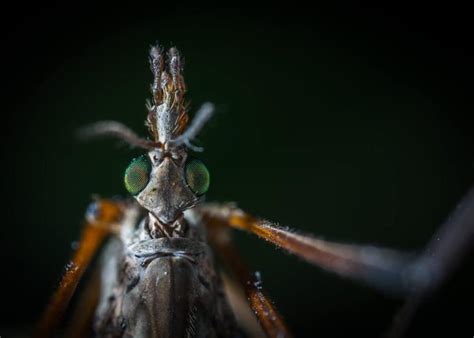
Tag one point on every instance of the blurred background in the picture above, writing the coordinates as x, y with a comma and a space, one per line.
353, 124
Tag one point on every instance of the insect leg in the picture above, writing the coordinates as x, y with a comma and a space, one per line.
83, 314
239, 304
382, 268
442, 255
269, 318
102, 218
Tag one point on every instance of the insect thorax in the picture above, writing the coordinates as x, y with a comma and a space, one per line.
162, 287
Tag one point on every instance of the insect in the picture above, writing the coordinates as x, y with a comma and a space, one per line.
157, 272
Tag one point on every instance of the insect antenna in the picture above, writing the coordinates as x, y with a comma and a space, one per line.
117, 130
167, 116
202, 116
156, 67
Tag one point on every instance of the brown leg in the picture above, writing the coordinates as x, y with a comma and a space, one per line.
81, 323
382, 268
267, 315
418, 277
239, 304
101, 221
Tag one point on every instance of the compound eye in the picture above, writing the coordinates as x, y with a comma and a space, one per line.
137, 174
197, 176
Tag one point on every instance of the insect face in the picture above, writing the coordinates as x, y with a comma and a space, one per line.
166, 183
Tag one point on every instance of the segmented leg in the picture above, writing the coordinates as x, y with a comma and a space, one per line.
267, 315
237, 299
418, 277
382, 268
82, 317
441, 257
103, 217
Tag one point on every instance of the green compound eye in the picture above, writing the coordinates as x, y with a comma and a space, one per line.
137, 174
197, 176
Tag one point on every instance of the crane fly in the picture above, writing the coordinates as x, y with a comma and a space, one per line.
156, 273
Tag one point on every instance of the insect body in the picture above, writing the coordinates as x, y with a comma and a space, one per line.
162, 287
158, 277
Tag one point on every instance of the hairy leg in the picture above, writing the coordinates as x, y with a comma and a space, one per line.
379, 267
440, 258
103, 218
389, 270
267, 315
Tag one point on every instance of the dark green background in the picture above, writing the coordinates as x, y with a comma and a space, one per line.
351, 124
